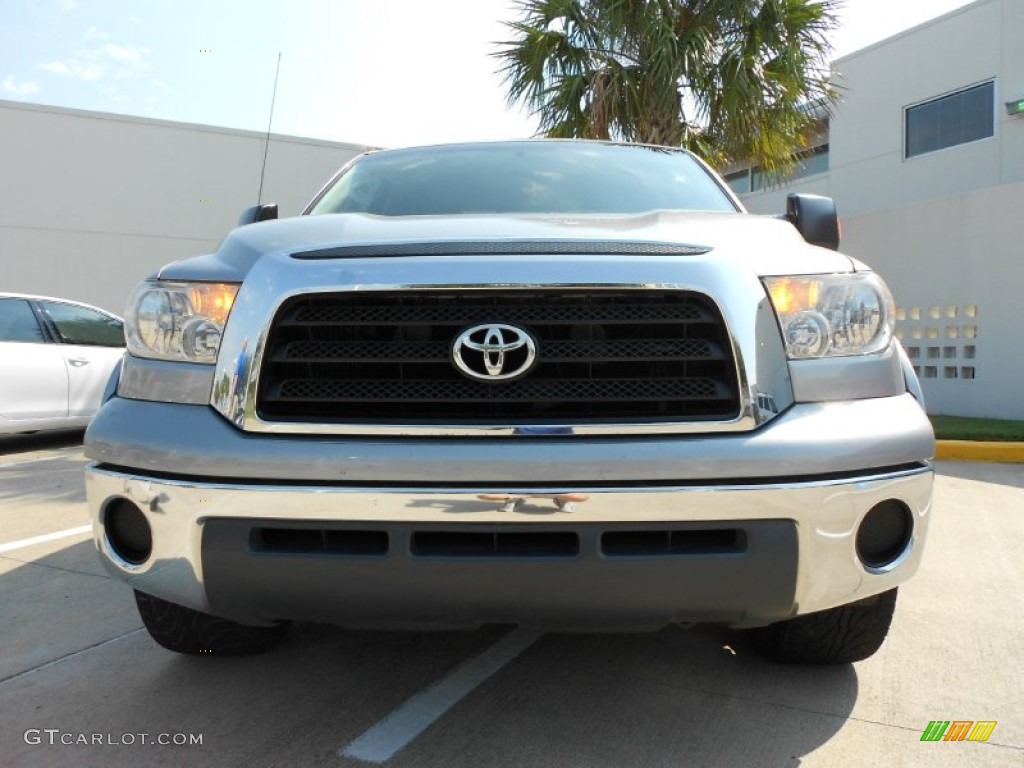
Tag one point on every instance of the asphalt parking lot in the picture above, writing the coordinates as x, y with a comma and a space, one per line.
81, 684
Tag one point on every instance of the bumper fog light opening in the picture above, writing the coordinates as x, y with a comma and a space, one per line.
128, 531
884, 534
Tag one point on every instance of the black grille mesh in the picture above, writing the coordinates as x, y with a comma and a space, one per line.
477, 312
620, 390
603, 357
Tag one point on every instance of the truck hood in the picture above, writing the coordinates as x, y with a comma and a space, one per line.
765, 245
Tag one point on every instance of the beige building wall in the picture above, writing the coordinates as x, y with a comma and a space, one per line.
956, 267
93, 202
943, 228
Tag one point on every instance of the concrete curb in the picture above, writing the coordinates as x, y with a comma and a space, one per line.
978, 450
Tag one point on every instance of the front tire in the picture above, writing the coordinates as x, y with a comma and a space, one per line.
184, 630
839, 635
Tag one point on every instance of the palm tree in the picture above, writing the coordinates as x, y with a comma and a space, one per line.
733, 80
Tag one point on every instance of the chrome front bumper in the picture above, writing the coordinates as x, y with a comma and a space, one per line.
202, 555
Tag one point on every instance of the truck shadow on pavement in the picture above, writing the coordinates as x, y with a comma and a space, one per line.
40, 441
675, 697
570, 700
58, 480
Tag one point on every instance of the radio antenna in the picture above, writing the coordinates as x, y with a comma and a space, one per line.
266, 143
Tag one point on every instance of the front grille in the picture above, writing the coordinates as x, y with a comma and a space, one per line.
312, 541
496, 541
603, 357
690, 541
487, 544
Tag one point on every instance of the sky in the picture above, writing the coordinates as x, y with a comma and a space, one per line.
382, 73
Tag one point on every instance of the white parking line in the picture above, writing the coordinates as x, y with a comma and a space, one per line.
12, 545
396, 731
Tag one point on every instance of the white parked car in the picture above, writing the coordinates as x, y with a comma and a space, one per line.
55, 359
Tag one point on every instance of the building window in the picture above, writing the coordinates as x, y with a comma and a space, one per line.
757, 179
967, 115
808, 163
739, 181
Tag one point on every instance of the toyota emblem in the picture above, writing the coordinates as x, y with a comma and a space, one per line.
494, 352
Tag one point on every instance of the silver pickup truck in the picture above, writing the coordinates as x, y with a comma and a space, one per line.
566, 385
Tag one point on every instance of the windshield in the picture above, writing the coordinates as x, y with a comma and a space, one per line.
523, 177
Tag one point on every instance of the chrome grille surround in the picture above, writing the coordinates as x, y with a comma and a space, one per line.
614, 356
749, 327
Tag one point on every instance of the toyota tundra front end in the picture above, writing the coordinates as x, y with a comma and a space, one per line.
566, 385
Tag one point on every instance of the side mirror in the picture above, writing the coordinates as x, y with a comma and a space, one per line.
815, 218
264, 212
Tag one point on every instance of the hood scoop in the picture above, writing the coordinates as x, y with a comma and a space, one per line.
505, 248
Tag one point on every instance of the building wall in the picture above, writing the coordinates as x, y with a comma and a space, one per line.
941, 227
92, 202
955, 266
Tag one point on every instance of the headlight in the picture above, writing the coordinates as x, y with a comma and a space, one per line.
178, 321
832, 315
